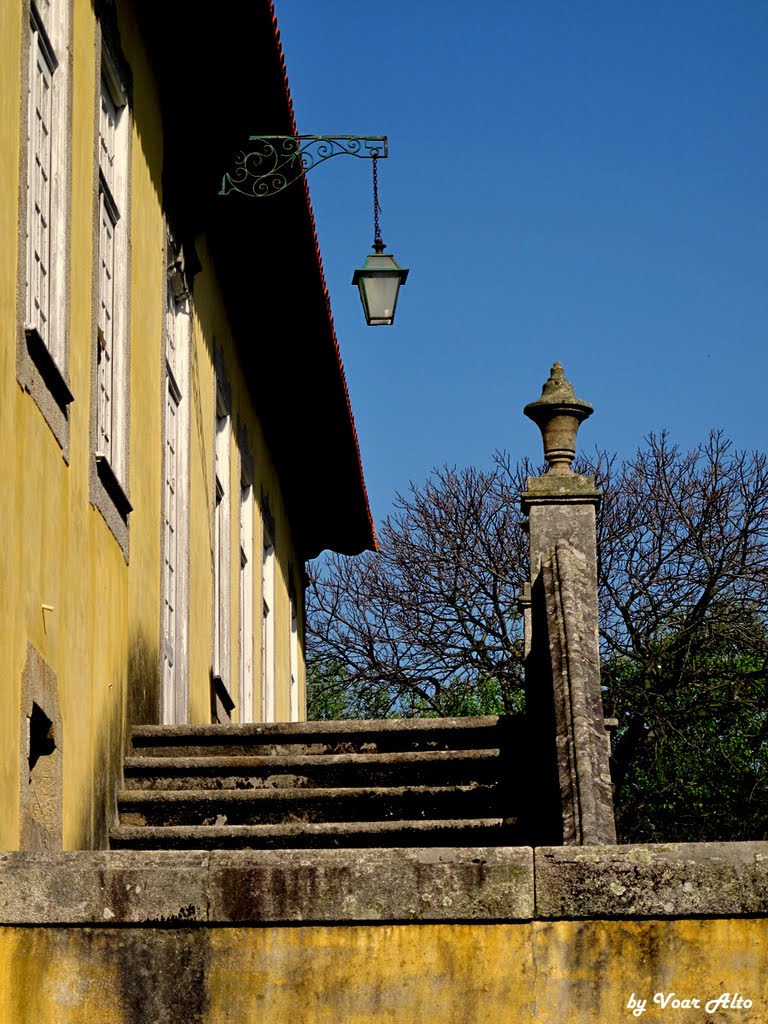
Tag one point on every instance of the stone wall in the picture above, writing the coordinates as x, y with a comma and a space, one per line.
560, 935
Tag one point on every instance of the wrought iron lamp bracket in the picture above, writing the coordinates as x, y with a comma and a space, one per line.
276, 161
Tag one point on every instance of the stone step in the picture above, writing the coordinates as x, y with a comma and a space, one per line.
273, 806
300, 771
415, 782
287, 738
298, 835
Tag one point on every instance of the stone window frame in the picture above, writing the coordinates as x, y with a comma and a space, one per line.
268, 632
221, 564
109, 462
176, 360
293, 648
247, 597
41, 783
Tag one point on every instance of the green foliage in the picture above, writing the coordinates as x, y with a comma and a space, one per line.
332, 696
484, 697
327, 691
697, 727
463, 698
683, 575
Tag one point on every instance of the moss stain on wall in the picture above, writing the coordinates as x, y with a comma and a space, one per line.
551, 973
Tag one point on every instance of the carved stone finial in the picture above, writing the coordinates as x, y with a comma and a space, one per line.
558, 414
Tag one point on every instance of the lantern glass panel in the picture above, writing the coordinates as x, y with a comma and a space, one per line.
379, 296
379, 281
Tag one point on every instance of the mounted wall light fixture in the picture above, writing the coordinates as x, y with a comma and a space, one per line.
380, 277
277, 161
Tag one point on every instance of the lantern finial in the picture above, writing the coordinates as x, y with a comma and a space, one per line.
558, 414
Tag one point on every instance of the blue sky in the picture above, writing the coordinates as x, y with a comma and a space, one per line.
584, 181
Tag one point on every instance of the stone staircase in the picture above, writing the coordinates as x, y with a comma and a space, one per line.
395, 783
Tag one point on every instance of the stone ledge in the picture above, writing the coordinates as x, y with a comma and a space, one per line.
344, 886
270, 887
559, 489
671, 880
103, 887
346, 727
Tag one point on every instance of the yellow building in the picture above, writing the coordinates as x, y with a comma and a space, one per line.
176, 441
176, 432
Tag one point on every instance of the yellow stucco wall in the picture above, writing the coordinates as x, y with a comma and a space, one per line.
102, 639
12, 612
551, 973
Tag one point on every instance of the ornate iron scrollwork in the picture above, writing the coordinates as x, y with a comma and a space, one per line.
278, 160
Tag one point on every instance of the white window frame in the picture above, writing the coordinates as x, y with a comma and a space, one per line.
293, 641
175, 566
110, 358
47, 177
42, 142
113, 270
247, 638
43, 349
222, 605
267, 620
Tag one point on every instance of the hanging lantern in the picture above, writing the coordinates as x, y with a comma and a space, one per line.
379, 281
380, 277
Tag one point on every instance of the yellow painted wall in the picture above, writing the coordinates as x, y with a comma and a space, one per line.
12, 613
102, 640
551, 973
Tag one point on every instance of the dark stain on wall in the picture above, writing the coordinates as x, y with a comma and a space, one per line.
297, 893
30, 963
161, 974
136, 701
143, 706
107, 773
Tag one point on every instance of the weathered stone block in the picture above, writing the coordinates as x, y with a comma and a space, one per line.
409, 884
574, 657
675, 880
103, 887
269, 886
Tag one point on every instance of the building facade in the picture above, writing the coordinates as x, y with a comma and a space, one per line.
176, 432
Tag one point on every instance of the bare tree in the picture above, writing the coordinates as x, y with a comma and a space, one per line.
683, 548
430, 624
430, 619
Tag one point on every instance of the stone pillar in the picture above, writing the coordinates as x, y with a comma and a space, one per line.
561, 620
562, 508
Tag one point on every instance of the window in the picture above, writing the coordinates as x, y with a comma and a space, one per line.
267, 616
221, 544
111, 330
294, 658
110, 417
246, 594
175, 500
42, 67
42, 365
170, 544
